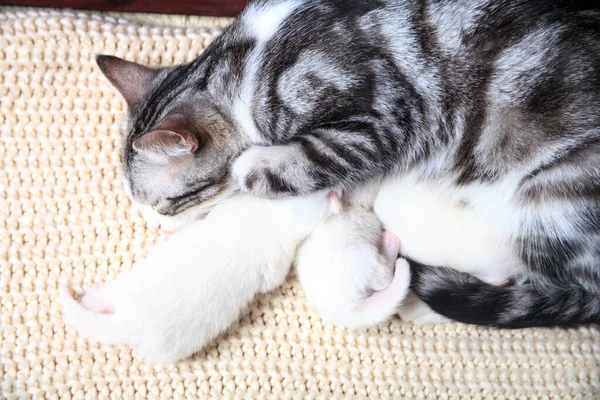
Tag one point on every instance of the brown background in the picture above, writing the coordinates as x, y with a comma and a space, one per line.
214, 8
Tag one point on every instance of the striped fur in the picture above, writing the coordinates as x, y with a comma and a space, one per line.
498, 100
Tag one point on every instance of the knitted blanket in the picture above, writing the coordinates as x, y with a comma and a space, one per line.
65, 220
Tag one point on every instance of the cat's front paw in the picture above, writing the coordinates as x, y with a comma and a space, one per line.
263, 171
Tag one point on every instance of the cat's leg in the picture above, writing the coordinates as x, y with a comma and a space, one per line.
321, 159
385, 301
129, 311
102, 299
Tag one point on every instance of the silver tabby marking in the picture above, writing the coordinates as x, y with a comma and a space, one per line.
500, 99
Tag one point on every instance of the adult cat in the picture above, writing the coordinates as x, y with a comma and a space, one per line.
490, 103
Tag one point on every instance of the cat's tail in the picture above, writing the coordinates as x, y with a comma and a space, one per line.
101, 327
464, 298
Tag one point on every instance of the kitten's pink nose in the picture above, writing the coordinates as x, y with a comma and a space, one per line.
155, 227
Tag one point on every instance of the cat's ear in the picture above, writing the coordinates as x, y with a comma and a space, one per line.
131, 79
165, 144
172, 137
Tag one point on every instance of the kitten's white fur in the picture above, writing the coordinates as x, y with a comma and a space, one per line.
436, 228
194, 285
350, 270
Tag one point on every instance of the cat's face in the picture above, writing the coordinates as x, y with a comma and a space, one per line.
178, 147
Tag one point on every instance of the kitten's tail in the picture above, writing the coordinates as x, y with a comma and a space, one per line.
100, 327
464, 298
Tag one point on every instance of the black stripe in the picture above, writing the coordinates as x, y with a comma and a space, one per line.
323, 166
339, 148
180, 203
279, 185
193, 192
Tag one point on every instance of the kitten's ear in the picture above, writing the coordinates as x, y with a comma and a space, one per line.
388, 246
335, 201
131, 79
172, 137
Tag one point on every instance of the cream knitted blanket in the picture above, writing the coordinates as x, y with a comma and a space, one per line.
66, 220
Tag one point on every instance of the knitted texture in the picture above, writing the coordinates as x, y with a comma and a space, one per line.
65, 220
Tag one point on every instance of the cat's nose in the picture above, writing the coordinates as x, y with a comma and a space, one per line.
155, 227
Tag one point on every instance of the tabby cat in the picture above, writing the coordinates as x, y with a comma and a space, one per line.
494, 103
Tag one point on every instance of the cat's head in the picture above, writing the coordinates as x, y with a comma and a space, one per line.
178, 147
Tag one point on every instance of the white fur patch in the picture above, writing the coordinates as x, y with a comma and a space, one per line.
261, 22
435, 229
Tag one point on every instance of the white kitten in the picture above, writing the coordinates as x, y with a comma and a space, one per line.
348, 268
436, 228
195, 284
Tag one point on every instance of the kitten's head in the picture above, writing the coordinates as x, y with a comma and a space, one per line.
178, 146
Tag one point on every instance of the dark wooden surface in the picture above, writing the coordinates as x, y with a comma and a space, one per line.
213, 8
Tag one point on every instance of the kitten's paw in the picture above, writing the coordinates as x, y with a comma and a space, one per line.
101, 299
259, 171
396, 278
416, 311
95, 325
119, 313
388, 246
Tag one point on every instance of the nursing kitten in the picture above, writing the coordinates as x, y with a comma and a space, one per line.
493, 101
196, 284
439, 230
349, 268
183, 295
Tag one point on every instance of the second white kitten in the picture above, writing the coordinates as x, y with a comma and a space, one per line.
349, 268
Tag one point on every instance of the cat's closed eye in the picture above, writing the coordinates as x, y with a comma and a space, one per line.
178, 148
